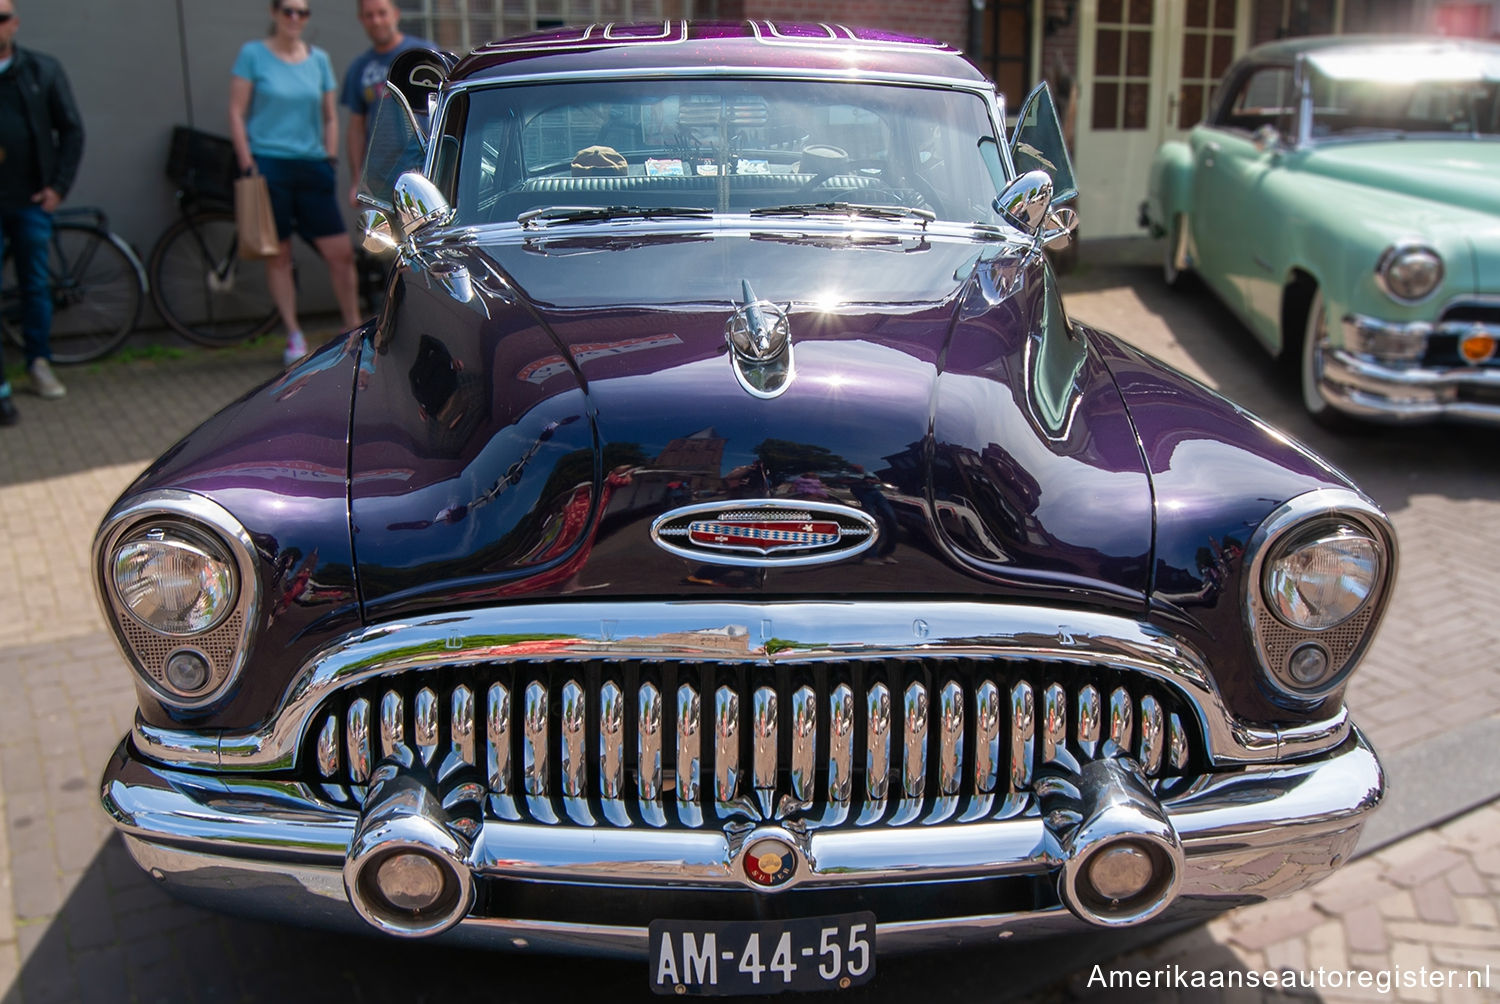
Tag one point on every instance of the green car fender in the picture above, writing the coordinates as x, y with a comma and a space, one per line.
1170, 190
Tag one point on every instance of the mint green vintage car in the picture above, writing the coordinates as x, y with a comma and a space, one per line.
1343, 198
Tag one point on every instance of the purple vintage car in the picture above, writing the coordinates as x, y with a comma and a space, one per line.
723, 549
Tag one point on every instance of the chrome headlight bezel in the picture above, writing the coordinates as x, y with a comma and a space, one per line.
151, 540
223, 642
1396, 271
1277, 639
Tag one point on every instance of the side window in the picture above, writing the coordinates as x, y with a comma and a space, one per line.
394, 148
1264, 98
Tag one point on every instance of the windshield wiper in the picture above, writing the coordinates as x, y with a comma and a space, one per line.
848, 209
589, 214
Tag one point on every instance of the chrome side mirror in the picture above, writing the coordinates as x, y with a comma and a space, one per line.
1025, 202
1266, 138
376, 235
418, 205
1058, 232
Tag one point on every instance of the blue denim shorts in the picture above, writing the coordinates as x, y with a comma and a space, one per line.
304, 197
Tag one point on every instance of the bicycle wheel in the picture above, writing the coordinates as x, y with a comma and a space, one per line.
98, 286
202, 289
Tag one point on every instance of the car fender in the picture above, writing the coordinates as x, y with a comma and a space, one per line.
1170, 189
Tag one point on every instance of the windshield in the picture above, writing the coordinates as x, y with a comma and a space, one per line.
1370, 107
724, 146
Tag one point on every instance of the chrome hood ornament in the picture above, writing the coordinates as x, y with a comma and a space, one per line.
760, 343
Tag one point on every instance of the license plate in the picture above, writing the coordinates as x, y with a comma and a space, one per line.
762, 956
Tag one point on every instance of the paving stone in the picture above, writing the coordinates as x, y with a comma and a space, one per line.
1435, 903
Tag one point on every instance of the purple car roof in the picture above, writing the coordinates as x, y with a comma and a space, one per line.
731, 45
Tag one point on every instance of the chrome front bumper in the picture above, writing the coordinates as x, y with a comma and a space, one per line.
275, 850
1366, 388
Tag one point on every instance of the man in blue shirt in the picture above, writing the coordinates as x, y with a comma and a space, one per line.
364, 81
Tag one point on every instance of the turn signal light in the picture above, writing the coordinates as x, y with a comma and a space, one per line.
1476, 348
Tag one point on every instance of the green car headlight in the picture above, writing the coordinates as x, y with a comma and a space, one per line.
1321, 579
173, 579
1409, 272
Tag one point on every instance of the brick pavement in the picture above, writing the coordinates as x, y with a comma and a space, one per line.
78, 921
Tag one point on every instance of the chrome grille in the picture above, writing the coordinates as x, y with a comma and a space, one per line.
836, 743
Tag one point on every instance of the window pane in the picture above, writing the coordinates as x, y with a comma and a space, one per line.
1106, 106
1197, 13
1138, 55
1107, 53
1190, 111
1137, 101
1194, 56
1223, 55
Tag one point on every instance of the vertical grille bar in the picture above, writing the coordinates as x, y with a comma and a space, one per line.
1022, 734
612, 753
497, 738
914, 708
1121, 724
1177, 743
392, 724
726, 744
461, 724
358, 740
689, 754
950, 739
841, 744
986, 737
763, 767
804, 743
328, 747
1054, 723
534, 740
648, 754
1089, 717
1152, 736
426, 722
878, 759
574, 741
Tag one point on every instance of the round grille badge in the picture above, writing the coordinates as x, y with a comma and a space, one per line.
770, 862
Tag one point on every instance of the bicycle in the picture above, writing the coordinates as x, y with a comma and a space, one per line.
98, 286
198, 284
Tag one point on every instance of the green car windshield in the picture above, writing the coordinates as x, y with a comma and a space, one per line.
1364, 93
549, 153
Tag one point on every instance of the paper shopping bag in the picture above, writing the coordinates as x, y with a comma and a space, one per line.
252, 215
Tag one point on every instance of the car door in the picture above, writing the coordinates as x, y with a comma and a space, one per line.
1233, 221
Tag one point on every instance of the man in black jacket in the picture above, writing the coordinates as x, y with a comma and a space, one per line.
41, 143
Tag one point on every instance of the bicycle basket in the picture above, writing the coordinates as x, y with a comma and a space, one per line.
202, 164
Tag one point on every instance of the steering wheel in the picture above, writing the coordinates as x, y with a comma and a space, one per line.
822, 162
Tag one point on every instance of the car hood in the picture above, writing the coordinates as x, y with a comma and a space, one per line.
1458, 173
529, 405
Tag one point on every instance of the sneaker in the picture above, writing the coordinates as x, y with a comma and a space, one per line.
8, 413
296, 348
44, 381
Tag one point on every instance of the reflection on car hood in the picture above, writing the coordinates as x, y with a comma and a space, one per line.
523, 441
1458, 172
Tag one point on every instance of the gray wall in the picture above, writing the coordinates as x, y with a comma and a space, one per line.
124, 59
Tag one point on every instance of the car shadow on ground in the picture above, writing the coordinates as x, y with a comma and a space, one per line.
119, 936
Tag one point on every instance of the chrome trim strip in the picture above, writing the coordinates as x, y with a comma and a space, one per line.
987, 737
461, 724
219, 523
1369, 390
426, 724
1244, 813
859, 75
804, 744
358, 741
664, 631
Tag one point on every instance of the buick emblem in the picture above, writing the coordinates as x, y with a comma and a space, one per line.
763, 532
769, 862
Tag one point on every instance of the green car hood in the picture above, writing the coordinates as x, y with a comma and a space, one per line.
1458, 173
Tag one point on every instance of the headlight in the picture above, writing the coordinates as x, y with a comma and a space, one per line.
1409, 272
1320, 580
173, 580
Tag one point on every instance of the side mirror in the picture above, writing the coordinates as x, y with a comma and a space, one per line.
1266, 138
376, 235
1061, 223
418, 205
1025, 202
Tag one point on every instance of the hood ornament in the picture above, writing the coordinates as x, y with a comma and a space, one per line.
760, 343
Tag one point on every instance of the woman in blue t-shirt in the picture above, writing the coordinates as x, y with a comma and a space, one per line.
284, 124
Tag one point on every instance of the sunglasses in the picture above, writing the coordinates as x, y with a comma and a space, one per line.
6, 17
302, 12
